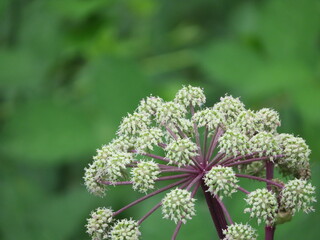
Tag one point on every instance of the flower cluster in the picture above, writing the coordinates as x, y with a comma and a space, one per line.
221, 181
262, 205
239, 231
144, 176
178, 205
196, 147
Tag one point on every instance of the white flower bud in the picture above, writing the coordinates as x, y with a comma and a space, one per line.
270, 119
150, 105
233, 143
144, 176
170, 112
148, 138
221, 181
181, 151
264, 143
247, 122
230, 107
190, 96
239, 231
263, 205
208, 117
125, 230
116, 164
94, 173
99, 223
133, 124
178, 205
298, 195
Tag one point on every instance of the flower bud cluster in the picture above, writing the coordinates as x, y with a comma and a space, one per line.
133, 124
270, 119
190, 96
148, 138
265, 144
296, 151
181, 151
233, 143
125, 229
247, 123
221, 181
170, 112
262, 205
239, 231
99, 223
230, 107
150, 105
178, 205
94, 173
208, 117
116, 164
144, 176
298, 195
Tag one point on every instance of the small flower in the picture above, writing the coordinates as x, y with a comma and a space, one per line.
233, 143
190, 96
99, 223
298, 195
148, 138
208, 117
150, 105
295, 149
170, 112
221, 181
105, 152
125, 230
133, 124
263, 205
181, 151
144, 176
230, 107
116, 164
123, 143
270, 119
265, 144
186, 126
239, 231
178, 205
94, 173
247, 122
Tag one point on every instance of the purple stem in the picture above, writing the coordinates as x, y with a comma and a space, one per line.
260, 179
205, 143
151, 155
196, 132
215, 211
225, 210
214, 142
216, 160
196, 179
269, 230
243, 190
176, 231
232, 159
171, 133
179, 170
251, 160
150, 195
162, 145
150, 212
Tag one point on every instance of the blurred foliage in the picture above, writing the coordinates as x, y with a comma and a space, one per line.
69, 70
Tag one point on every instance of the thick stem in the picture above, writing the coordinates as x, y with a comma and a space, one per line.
269, 230
216, 211
225, 210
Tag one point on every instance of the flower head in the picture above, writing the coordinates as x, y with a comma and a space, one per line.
150, 105
208, 117
230, 107
190, 96
99, 223
125, 229
148, 138
181, 151
178, 205
270, 119
93, 174
262, 205
221, 181
239, 231
116, 164
298, 195
264, 143
233, 143
144, 175
247, 122
133, 124
170, 112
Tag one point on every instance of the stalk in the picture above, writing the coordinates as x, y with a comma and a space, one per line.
269, 230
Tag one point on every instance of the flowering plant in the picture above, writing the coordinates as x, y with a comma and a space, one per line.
211, 148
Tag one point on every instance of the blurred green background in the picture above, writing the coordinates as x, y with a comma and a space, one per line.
70, 69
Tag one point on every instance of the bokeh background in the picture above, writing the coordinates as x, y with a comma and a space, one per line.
70, 69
